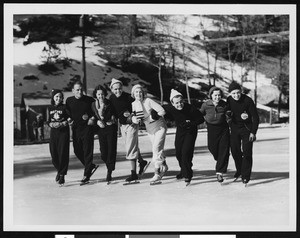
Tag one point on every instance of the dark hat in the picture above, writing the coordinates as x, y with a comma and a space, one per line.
233, 86
212, 89
55, 91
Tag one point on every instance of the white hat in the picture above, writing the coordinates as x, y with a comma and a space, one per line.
174, 93
134, 88
114, 81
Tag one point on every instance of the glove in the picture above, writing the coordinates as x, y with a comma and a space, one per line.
154, 115
64, 123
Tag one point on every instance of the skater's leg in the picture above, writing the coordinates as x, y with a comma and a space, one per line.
188, 152
88, 149
247, 147
179, 139
235, 145
63, 147
77, 145
112, 138
53, 149
103, 142
130, 135
223, 152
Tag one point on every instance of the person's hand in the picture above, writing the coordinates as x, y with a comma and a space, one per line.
55, 124
100, 124
64, 123
252, 137
70, 121
91, 121
126, 114
135, 120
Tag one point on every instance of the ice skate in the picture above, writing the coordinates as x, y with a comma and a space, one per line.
156, 179
179, 176
143, 167
245, 182
85, 180
220, 178
187, 181
108, 178
132, 179
61, 180
236, 176
163, 169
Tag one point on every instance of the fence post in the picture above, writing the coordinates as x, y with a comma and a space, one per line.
271, 116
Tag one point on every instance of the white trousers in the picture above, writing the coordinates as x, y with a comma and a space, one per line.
130, 136
158, 142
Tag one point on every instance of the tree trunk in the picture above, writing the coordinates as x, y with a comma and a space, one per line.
160, 81
208, 66
185, 75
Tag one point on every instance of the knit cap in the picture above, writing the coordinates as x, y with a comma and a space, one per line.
174, 93
114, 81
233, 86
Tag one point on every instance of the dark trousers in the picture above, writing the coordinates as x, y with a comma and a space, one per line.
59, 146
241, 149
83, 143
184, 146
218, 144
108, 138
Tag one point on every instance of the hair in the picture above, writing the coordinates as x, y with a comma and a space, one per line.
52, 100
216, 89
142, 88
177, 96
78, 82
99, 87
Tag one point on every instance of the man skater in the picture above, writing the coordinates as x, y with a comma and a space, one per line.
81, 114
243, 126
187, 118
121, 102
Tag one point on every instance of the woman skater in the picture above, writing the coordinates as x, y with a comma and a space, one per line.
107, 131
59, 135
151, 113
214, 111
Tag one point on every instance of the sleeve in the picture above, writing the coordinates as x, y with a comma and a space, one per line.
68, 111
254, 115
168, 111
158, 108
197, 118
202, 109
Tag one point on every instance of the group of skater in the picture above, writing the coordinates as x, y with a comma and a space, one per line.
231, 124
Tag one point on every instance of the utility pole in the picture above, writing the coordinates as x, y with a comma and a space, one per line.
81, 26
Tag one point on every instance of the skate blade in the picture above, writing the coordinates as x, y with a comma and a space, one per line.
187, 184
130, 183
82, 184
61, 185
156, 183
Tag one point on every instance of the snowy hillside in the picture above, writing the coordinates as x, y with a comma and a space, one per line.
28, 58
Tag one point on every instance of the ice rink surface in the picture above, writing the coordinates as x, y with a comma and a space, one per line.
205, 205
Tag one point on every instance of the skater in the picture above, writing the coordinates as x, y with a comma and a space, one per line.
151, 113
80, 111
59, 135
187, 118
214, 111
244, 125
121, 102
107, 129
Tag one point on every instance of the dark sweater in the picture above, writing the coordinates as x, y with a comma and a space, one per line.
122, 104
57, 113
76, 108
214, 114
189, 112
244, 104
